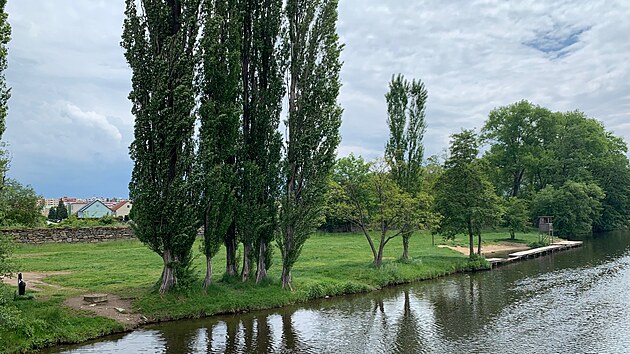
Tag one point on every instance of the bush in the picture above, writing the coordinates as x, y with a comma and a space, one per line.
476, 262
539, 243
74, 222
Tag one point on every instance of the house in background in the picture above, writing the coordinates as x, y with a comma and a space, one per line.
94, 210
122, 209
73, 208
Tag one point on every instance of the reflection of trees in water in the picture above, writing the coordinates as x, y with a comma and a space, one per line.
408, 337
240, 334
179, 341
264, 343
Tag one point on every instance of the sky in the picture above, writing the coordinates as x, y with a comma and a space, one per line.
69, 125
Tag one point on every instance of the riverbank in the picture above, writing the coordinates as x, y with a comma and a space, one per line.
330, 265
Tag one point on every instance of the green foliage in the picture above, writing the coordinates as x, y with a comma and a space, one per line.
539, 243
463, 196
517, 134
575, 207
219, 114
74, 222
516, 215
404, 150
7, 265
367, 196
160, 39
261, 141
52, 214
311, 51
19, 206
5, 92
36, 324
62, 210
532, 148
405, 118
475, 262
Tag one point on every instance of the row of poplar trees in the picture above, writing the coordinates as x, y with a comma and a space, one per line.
225, 67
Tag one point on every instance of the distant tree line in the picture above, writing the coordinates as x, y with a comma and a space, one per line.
537, 163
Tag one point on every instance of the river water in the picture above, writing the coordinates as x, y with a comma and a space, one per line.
573, 301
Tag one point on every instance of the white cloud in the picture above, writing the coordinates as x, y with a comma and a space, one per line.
91, 120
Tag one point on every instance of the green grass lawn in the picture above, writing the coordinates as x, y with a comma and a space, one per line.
330, 265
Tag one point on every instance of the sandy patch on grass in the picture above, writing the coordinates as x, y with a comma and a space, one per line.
109, 309
491, 249
35, 280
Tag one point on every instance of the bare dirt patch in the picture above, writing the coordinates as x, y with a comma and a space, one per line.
110, 309
491, 249
35, 280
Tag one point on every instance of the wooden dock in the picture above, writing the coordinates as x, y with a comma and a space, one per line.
535, 252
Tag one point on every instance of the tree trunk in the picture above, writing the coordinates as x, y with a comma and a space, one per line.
479, 243
378, 261
512, 235
208, 280
169, 278
286, 278
471, 247
247, 261
230, 251
261, 268
405, 254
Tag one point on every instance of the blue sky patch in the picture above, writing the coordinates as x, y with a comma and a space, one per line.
556, 41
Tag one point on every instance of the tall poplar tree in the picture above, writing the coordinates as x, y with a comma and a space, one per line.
5, 92
261, 142
159, 38
312, 48
404, 150
219, 113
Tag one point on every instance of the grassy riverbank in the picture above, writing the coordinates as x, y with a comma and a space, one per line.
330, 265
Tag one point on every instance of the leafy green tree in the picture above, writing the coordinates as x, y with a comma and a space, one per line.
581, 142
5, 92
368, 196
52, 214
312, 49
463, 195
219, 114
62, 210
517, 134
516, 215
612, 174
160, 39
586, 152
404, 151
19, 205
575, 207
261, 142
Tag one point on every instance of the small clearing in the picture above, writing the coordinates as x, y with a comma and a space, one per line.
491, 249
109, 309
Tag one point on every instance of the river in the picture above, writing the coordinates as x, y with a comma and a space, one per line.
573, 301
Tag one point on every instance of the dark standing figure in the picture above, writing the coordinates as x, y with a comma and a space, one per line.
21, 285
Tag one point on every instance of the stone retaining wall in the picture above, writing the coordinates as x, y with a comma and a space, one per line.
69, 235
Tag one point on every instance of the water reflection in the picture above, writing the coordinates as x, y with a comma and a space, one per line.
575, 301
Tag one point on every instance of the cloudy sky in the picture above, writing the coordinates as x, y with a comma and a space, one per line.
70, 126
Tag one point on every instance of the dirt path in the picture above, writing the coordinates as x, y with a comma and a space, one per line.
35, 280
491, 249
116, 308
